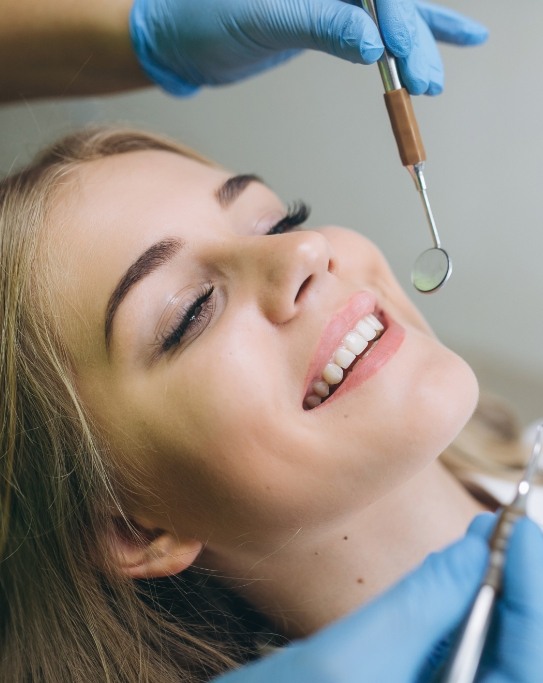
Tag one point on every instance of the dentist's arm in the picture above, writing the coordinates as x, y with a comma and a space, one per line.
61, 47
54, 48
402, 636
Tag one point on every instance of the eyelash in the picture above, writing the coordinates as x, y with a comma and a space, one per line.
192, 317
297, 213
197, 313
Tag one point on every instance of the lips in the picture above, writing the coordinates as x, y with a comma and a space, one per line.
359, 339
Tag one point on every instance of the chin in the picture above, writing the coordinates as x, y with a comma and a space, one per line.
447, 407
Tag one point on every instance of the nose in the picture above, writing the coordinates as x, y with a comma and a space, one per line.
285, 271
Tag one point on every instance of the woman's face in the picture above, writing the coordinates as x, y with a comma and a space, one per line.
197, 339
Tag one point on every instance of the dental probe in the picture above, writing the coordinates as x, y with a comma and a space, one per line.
433, 267
466, 657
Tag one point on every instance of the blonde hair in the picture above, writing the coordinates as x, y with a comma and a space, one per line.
490, 444
62, 617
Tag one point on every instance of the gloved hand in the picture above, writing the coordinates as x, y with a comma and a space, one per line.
516, 655
184, 44
394, 638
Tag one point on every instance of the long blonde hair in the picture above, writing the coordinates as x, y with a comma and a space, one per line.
62, 617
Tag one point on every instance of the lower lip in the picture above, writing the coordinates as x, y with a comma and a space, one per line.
387, 345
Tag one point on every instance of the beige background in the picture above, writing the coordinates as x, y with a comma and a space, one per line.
316, 129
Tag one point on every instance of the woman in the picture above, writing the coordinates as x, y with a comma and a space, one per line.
173, 404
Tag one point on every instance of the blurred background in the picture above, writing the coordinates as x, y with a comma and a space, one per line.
316, 129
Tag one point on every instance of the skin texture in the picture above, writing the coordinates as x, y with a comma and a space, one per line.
231, 461
65, 48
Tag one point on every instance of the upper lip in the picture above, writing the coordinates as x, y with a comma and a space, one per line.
358, 306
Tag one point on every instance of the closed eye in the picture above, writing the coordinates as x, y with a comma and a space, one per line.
192, 319
297, 213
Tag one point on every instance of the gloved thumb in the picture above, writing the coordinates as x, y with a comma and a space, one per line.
483, 525
334, 27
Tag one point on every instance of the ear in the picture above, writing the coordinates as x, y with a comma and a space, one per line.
145, 552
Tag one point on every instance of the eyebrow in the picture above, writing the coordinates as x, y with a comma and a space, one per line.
156, 256
233, 187
160, 253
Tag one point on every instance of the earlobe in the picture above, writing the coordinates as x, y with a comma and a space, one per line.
151, 554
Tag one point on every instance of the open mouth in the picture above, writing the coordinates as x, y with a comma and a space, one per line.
354, 347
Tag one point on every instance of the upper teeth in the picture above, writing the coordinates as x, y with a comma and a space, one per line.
352, 345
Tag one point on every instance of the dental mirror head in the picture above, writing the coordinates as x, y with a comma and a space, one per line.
431, 270
433, 267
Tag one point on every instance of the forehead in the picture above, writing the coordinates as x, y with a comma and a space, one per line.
142, 175
139, 193
110, 210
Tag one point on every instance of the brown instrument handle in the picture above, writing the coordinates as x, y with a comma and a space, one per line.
405, 127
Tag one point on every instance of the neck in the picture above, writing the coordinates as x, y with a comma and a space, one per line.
323, 574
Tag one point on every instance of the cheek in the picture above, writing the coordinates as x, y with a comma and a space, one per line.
230, 460
226, 476
360, 261
434, 397
401, 420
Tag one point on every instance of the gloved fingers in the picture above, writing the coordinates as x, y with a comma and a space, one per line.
398, 23
513, 651
483, 525
523, 573
422, 70
418, 612
410, 29
397, 19
451, 27
338, 28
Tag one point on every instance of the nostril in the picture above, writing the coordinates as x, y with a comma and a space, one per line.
331, 265
303, 287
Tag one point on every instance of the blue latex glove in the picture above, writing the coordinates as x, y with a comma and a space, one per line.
517, 632
398, 638
184, 44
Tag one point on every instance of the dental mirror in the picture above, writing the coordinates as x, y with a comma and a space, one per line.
433, 267
431, 270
